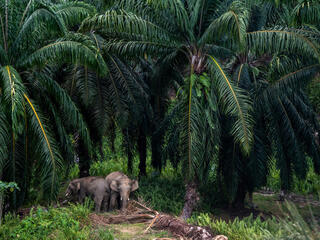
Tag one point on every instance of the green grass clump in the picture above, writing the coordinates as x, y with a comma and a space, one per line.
70, 223
162, 194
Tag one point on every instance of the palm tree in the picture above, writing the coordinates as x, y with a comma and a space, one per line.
283, 116
185, 39
34, 35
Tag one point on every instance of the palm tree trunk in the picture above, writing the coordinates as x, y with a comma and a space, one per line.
191, 199
112, 135
127, 142
142, 149
1, 205
238, 202
101, 151
130, 160
1, 201
157, 140
156, 143
84, 159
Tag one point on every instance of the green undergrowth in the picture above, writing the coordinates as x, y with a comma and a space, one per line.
245, 229
291, 227
309, 185
162, 194
73, 223
63, 223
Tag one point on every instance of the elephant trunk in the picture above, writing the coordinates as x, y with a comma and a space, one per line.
124, 200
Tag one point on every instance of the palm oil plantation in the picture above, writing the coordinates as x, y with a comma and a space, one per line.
212, 105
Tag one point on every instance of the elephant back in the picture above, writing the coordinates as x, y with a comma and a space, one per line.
116, 176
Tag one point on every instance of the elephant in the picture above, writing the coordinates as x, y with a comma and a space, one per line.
73, 190
120, 187
95, 187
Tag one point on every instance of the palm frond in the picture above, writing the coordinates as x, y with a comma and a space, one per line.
4, 136
50, 159
283, 39
13, 97
232, 23
130, 33
35, 20
73, 12
3, 57
67, 52
298, 78
67, 107
176, 9
307, 12
236, 104
126, 23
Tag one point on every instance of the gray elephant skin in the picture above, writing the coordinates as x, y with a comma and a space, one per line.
95, 187
120, 186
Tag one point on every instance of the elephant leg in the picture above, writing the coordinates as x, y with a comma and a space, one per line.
105, 202
81, 196
113, 201
98, 201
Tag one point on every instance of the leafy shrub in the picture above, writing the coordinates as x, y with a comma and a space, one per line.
273, 179
245, 229
106, 167
8, 186
4, 189
309, 185
74, 172
162, 194
54, 223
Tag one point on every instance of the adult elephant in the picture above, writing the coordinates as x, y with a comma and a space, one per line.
120, 186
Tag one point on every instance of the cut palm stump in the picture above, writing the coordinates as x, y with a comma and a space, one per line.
139, 213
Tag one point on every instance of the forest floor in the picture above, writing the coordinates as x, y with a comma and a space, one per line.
267, 205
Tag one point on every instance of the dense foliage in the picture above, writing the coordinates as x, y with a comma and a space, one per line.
61, 223
218, 88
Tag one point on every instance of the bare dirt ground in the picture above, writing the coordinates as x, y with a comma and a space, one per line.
133, 231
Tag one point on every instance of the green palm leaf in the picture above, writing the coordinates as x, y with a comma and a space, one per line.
73, 12
67, 107
283, 39
50, 159
236, 104
67, 51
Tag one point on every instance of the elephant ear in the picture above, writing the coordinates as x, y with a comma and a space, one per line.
134, 185
114, 186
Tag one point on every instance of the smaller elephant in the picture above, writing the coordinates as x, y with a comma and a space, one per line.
73, 190
120, 186
95, 187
